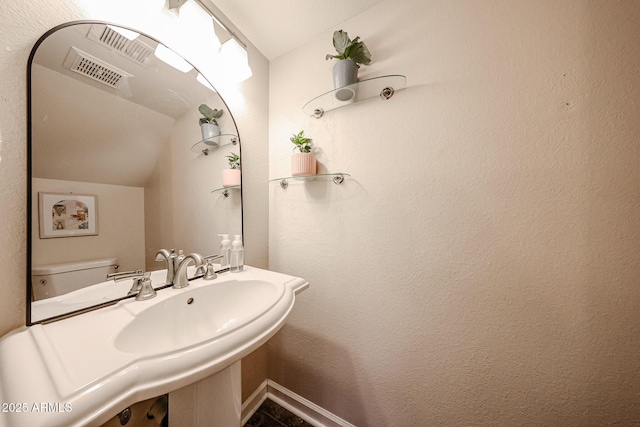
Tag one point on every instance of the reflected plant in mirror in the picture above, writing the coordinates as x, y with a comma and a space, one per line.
209, 123
234, 161
108, 118
232, 177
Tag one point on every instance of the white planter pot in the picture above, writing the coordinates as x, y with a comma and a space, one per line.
210, 132
345, 73
303, 164
231, 177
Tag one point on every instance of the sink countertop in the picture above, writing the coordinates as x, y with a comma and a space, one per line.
70, 372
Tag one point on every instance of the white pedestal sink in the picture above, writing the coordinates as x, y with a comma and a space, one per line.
83, 370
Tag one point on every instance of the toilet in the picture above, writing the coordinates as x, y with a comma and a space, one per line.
58, 279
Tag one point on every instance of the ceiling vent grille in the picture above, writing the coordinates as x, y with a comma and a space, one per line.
85, 64
134, 50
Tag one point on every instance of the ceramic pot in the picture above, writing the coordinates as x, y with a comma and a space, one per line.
303, 164
345, 73
231, 177
209, 133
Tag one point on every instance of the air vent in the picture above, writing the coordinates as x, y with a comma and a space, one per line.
89, 66
134, 50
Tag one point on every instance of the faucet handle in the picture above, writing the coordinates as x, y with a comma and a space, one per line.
201, 270
211, 273
146, 291
141, 287
118, 277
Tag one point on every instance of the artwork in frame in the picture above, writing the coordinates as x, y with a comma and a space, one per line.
67, 215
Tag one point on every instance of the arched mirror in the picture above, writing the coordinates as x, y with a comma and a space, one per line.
118, 166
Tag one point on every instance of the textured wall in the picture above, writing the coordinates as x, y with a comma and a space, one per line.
22, 23
481, 267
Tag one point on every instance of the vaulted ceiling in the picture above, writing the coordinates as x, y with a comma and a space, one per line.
278, 26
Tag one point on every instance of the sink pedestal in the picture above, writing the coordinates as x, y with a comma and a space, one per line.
212, 402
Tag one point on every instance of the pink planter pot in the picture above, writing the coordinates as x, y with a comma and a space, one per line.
230, 177
303, 164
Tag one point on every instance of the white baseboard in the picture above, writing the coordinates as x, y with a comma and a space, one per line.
292, 402
253, 402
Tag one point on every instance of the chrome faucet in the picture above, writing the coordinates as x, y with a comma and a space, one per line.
181, 280
169, 258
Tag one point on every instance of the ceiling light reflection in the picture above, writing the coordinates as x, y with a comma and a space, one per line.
170, 57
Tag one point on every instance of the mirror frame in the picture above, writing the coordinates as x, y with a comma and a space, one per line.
29, 292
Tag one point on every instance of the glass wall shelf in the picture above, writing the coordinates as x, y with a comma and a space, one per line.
336, 177
383, 86
211, 144
226, 190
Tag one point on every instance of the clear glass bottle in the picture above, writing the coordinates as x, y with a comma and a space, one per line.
236, 259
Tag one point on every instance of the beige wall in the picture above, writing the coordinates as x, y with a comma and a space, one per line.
482, 266
183, 179
120, 226
201, 175
65, 130
158, 220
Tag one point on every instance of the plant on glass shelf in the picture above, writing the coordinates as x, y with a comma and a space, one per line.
303, 162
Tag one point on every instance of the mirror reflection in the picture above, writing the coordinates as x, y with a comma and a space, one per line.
119, 166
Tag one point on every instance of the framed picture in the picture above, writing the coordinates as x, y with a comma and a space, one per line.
67, 215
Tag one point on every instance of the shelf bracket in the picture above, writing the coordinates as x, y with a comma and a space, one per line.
387, 93
225, 193
234, 140
336, 177
318, 112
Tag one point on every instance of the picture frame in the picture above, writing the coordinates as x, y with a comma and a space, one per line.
67, 215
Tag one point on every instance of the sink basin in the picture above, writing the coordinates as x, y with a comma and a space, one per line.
196, 315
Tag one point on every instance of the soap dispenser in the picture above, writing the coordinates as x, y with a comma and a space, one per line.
225, 249
236, 261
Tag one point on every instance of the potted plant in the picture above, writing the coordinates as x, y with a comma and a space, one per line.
209, 124
231, 177
351, 53
304, 161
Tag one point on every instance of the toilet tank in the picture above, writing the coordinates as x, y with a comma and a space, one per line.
57, 279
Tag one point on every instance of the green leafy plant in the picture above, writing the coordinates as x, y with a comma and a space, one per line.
234, 160
301, 143
354, 49
210, 114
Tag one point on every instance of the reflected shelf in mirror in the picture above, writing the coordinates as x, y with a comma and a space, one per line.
383, 86
211, 144
336, 177
226, 191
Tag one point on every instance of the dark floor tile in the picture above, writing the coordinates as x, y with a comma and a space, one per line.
270, 414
